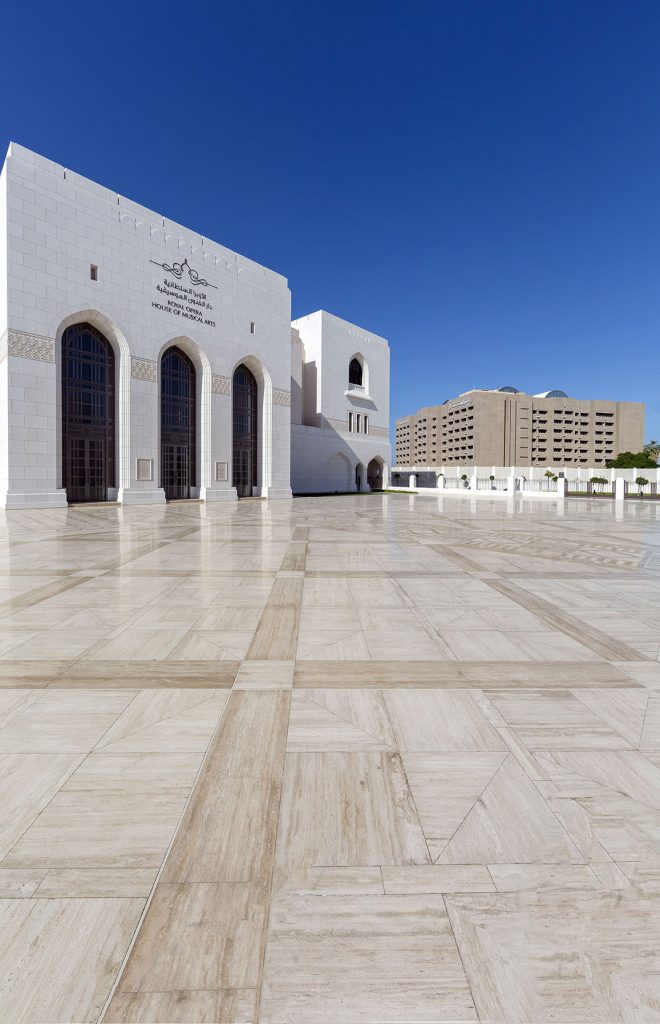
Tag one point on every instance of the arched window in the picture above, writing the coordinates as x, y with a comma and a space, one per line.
355, 372
88, 414
177, 423
245, 425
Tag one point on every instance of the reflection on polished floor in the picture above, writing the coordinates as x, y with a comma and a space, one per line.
378, 758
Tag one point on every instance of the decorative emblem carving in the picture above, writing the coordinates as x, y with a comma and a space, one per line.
220, 385
144, 369
281, 397
177, 270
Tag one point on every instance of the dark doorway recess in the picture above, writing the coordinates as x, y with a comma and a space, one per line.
88, 414
178, 422
244, 397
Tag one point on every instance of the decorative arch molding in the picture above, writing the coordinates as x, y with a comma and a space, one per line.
264, 421
117, 339
203, 375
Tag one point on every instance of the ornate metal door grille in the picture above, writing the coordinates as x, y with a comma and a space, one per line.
244, 396
88, 414
177, 423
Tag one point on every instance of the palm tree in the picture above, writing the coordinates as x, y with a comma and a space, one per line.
652, 449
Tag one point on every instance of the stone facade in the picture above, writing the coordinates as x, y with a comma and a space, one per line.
508, 428
339, 430
74, 252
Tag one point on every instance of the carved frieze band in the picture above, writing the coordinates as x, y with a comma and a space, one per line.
281, 397
220, 385
339, 425
144, 369
30, 346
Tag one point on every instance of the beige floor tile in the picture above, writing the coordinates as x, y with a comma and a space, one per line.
341, 881
445, 787
265, 675
100, 882
437, 878
211, 645
486, 645
644, 878
20, 882
138, 644
118, 810
650, 736
54, 644
62, 722
228, 619
240, 783
510, 823
561, 957
376, 593
384, 958
327, 593
30, 781
624, 711
347, 809
394, 620
315, 620
333, 645
219, 1006
165, 720
339, 720
520, 877
383, 644
59, 958
199, 936
439, 720
624, 772
556, 719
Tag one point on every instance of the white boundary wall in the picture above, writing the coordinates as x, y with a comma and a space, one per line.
528, 480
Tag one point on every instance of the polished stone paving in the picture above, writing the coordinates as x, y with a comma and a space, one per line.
356, 759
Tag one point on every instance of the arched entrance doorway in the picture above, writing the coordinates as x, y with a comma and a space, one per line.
178, 422
245, 425
88, 414
375, 475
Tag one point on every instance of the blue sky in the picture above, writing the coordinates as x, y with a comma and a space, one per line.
477, 180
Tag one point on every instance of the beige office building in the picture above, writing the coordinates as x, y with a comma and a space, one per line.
505, 427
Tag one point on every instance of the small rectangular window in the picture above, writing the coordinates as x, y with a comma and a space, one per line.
350, 422
357, 422
252, 327
94, 272
366, 424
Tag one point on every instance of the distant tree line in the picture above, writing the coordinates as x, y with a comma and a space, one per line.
646, 459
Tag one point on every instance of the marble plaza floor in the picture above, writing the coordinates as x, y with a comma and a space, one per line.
359, 759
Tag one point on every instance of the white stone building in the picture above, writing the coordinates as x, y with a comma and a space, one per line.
340, 385
140, 361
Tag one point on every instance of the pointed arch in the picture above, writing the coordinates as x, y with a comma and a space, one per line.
264, 446
178, 423
116, 337
358, 372
202, 367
